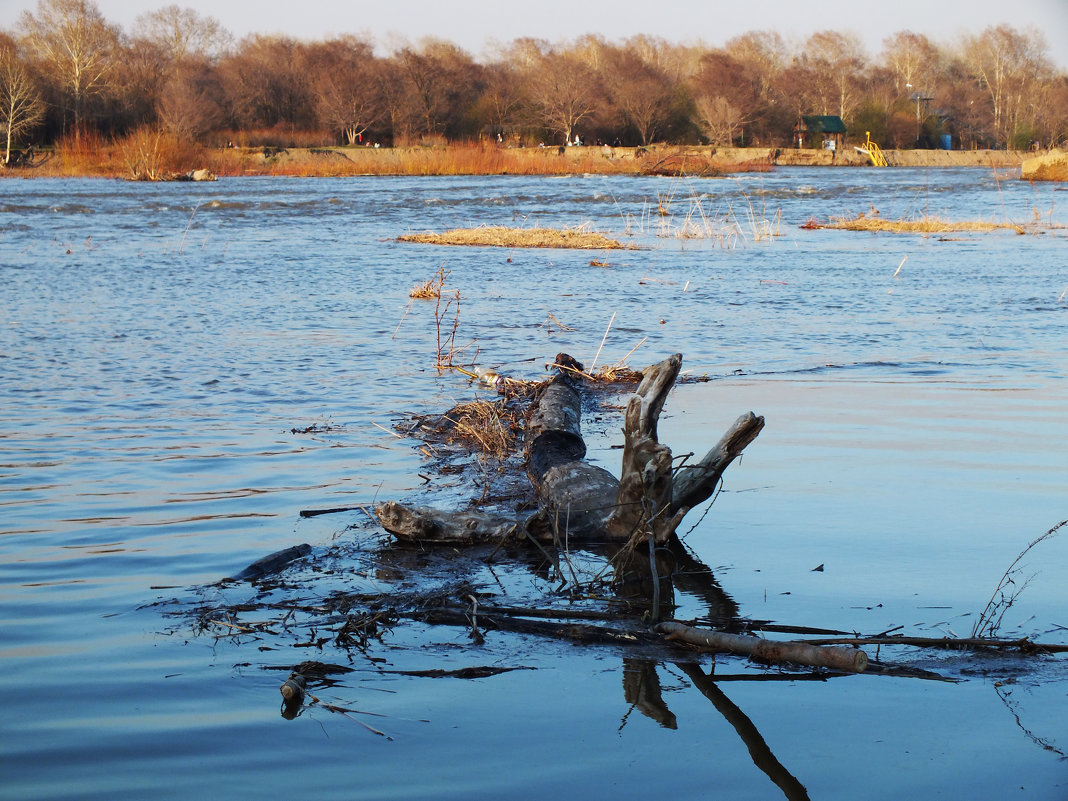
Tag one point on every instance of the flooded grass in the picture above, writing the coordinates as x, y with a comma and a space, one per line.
924, 225
579, 237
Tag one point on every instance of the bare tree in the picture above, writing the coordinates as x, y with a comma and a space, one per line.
1008, 65
21, 107
758, 61
76, 47
502, 104
265, 83
190, 101
563, 89
439, 82
345, 79
761, 55
833, 62
719, 119
181, 33
912, 59
677, 62
641, 92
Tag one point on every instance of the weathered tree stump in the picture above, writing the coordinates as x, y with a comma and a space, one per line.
579, 501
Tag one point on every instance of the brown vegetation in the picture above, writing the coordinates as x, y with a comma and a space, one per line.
486, 427
431, 288
153, 153
1051, 166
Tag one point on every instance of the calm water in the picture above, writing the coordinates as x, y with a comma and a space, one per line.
158, 344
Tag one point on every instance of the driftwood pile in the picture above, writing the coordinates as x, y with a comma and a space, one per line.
631, 520
578, 501
583, 504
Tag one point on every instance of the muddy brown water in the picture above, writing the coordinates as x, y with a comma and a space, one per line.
160, 344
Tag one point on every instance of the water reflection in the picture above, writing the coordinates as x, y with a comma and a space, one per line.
418, 569
762, 755
641, 689
913, 424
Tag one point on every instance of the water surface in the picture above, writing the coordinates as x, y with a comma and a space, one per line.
160, 343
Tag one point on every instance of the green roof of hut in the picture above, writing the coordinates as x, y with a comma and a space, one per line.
831, 124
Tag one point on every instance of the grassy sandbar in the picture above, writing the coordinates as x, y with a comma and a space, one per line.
505, 237
923, 225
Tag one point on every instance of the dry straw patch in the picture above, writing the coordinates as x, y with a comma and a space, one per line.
489, 428
504, 237
923, 225
486, 427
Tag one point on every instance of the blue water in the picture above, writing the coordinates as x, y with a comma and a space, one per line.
159, 344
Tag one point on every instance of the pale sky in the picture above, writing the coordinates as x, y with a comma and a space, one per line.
475, 26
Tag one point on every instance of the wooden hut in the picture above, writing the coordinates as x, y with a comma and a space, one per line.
828, 130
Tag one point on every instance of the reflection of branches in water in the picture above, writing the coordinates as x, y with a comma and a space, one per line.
641, 689
762, 756
1004, 694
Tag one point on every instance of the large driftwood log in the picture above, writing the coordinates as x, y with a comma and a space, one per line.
580, 501
850, 660
427, 524
576, 498
643, 504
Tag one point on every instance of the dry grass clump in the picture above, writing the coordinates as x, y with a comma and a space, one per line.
489, 428
1057, 171
922, 225
428, 290
617, 374
431, 288
504, 237
152, 154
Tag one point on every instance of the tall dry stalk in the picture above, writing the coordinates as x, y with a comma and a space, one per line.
448, 350
145, 153
1008, 590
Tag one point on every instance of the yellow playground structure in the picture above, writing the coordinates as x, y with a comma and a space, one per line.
872, 151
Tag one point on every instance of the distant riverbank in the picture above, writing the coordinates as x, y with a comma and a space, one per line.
114, 161
656, 159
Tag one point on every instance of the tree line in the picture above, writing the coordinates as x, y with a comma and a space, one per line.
67, 71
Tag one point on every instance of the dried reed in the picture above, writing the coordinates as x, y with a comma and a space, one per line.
446, 344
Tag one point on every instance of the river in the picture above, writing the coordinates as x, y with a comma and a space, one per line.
186, 367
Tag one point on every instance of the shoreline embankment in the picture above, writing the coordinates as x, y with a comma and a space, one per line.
116, 161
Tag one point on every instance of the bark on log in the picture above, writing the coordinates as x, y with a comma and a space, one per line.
849, 660
643, 504
696, 483
576, 498
426, 524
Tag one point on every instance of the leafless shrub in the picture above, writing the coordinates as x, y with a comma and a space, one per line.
1008, 590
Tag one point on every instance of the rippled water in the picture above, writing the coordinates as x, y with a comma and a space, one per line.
159, 344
